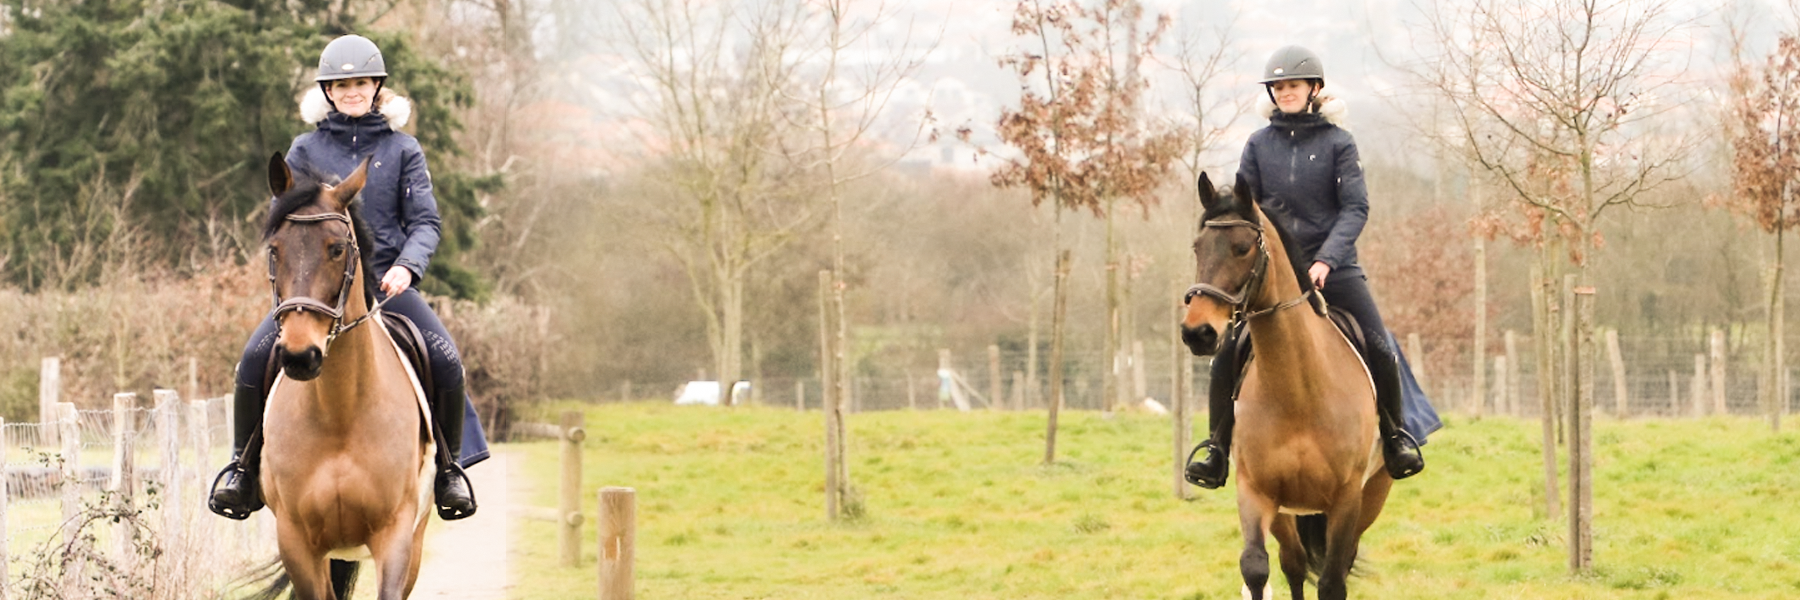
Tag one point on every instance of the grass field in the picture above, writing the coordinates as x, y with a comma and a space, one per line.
957, 506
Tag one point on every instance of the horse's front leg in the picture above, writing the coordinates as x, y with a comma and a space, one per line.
393, 549
1293, 555
307, 568
1254, 517
1343, 530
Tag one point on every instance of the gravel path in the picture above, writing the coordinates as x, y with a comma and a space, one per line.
469, 559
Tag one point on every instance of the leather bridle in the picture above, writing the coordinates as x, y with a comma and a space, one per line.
305, 303
1240, 300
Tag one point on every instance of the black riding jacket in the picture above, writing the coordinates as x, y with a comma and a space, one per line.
1307, 166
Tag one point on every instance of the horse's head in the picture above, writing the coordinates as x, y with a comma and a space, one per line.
1232, 256
313, 263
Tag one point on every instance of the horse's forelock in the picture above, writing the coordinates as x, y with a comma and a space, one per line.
302, 195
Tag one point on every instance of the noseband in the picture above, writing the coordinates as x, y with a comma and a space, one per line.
1240, 300
304, 303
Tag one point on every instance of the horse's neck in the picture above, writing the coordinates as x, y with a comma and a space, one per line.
1295, 335
354, 360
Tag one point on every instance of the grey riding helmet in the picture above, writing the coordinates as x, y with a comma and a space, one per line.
1292, 62
347, 57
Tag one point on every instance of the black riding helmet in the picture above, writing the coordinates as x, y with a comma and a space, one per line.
348, 57
1293, 62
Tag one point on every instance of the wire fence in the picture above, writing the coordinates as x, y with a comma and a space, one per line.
1661, 376
111, 503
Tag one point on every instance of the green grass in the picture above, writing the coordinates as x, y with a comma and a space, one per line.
731, 505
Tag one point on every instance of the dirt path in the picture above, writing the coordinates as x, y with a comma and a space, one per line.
470, 559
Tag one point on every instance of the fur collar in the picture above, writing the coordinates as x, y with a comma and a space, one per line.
397, 109
1334, 109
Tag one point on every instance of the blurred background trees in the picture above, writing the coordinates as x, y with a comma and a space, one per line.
635, 190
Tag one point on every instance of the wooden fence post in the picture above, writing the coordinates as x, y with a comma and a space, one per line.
618, 541
569, 533
1140, 382
1178, 406
1501, 386
5, 555
201, 438
1581, 438
1621, 390
168, 432
1513, 405
799, 395
69, 424
1718, 372
124, 475
49, 396
1697, 386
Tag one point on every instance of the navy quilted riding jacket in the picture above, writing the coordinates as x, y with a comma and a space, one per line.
1307, 167
397, 200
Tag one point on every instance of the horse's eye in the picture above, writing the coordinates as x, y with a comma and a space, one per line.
1242, 248
337, 251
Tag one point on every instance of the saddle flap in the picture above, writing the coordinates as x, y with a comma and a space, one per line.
1347, 324
412, 348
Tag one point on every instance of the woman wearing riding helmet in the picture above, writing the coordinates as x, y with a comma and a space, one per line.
356, 120
1305, 167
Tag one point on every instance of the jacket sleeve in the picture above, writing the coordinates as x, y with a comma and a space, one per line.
418, 213
1353, 209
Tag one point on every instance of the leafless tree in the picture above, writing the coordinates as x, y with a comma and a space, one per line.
714, 84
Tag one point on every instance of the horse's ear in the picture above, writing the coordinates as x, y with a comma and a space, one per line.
346, 190
1242, 193
280, 178
1209, 194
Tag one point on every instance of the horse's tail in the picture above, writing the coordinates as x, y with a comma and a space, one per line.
1312, 538
343, 579
343, 576
277, 577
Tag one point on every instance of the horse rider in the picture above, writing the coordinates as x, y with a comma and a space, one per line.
1305, 165
357, 118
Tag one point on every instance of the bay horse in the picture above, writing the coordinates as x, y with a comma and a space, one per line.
1309, 466
346, 461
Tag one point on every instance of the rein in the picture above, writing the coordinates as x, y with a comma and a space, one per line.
1240, 301
304, 303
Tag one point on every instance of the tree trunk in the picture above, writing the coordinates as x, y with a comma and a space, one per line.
1775, 396
1109, 374
731, 348
1546, 378
1058, 318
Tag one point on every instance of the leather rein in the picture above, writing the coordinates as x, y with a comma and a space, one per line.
1240, 301
304, 303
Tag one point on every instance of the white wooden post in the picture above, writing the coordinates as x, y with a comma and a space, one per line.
569, 531
168, 432
70, 432
5, 555
1718, 373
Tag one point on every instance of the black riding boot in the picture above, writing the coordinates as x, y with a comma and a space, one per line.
1398, 448
455, 498
1210, 472
235, 494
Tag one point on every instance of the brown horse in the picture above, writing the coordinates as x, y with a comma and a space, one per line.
1309, 469
346, 466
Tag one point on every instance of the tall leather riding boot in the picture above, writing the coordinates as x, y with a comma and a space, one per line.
235, 494
1398, 449
1211, 471
455, 497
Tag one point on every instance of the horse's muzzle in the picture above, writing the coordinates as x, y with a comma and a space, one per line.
303, 365
1202, 340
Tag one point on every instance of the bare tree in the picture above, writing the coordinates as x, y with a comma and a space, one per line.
714, 89
1082, 141
843, 105
1763, 125
1559, 102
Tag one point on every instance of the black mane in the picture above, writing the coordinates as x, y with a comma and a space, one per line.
1277, 218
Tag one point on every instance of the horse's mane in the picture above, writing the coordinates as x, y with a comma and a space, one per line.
306, 193
1277, 218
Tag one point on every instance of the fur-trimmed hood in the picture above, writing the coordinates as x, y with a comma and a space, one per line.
397, 109
1334, 109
